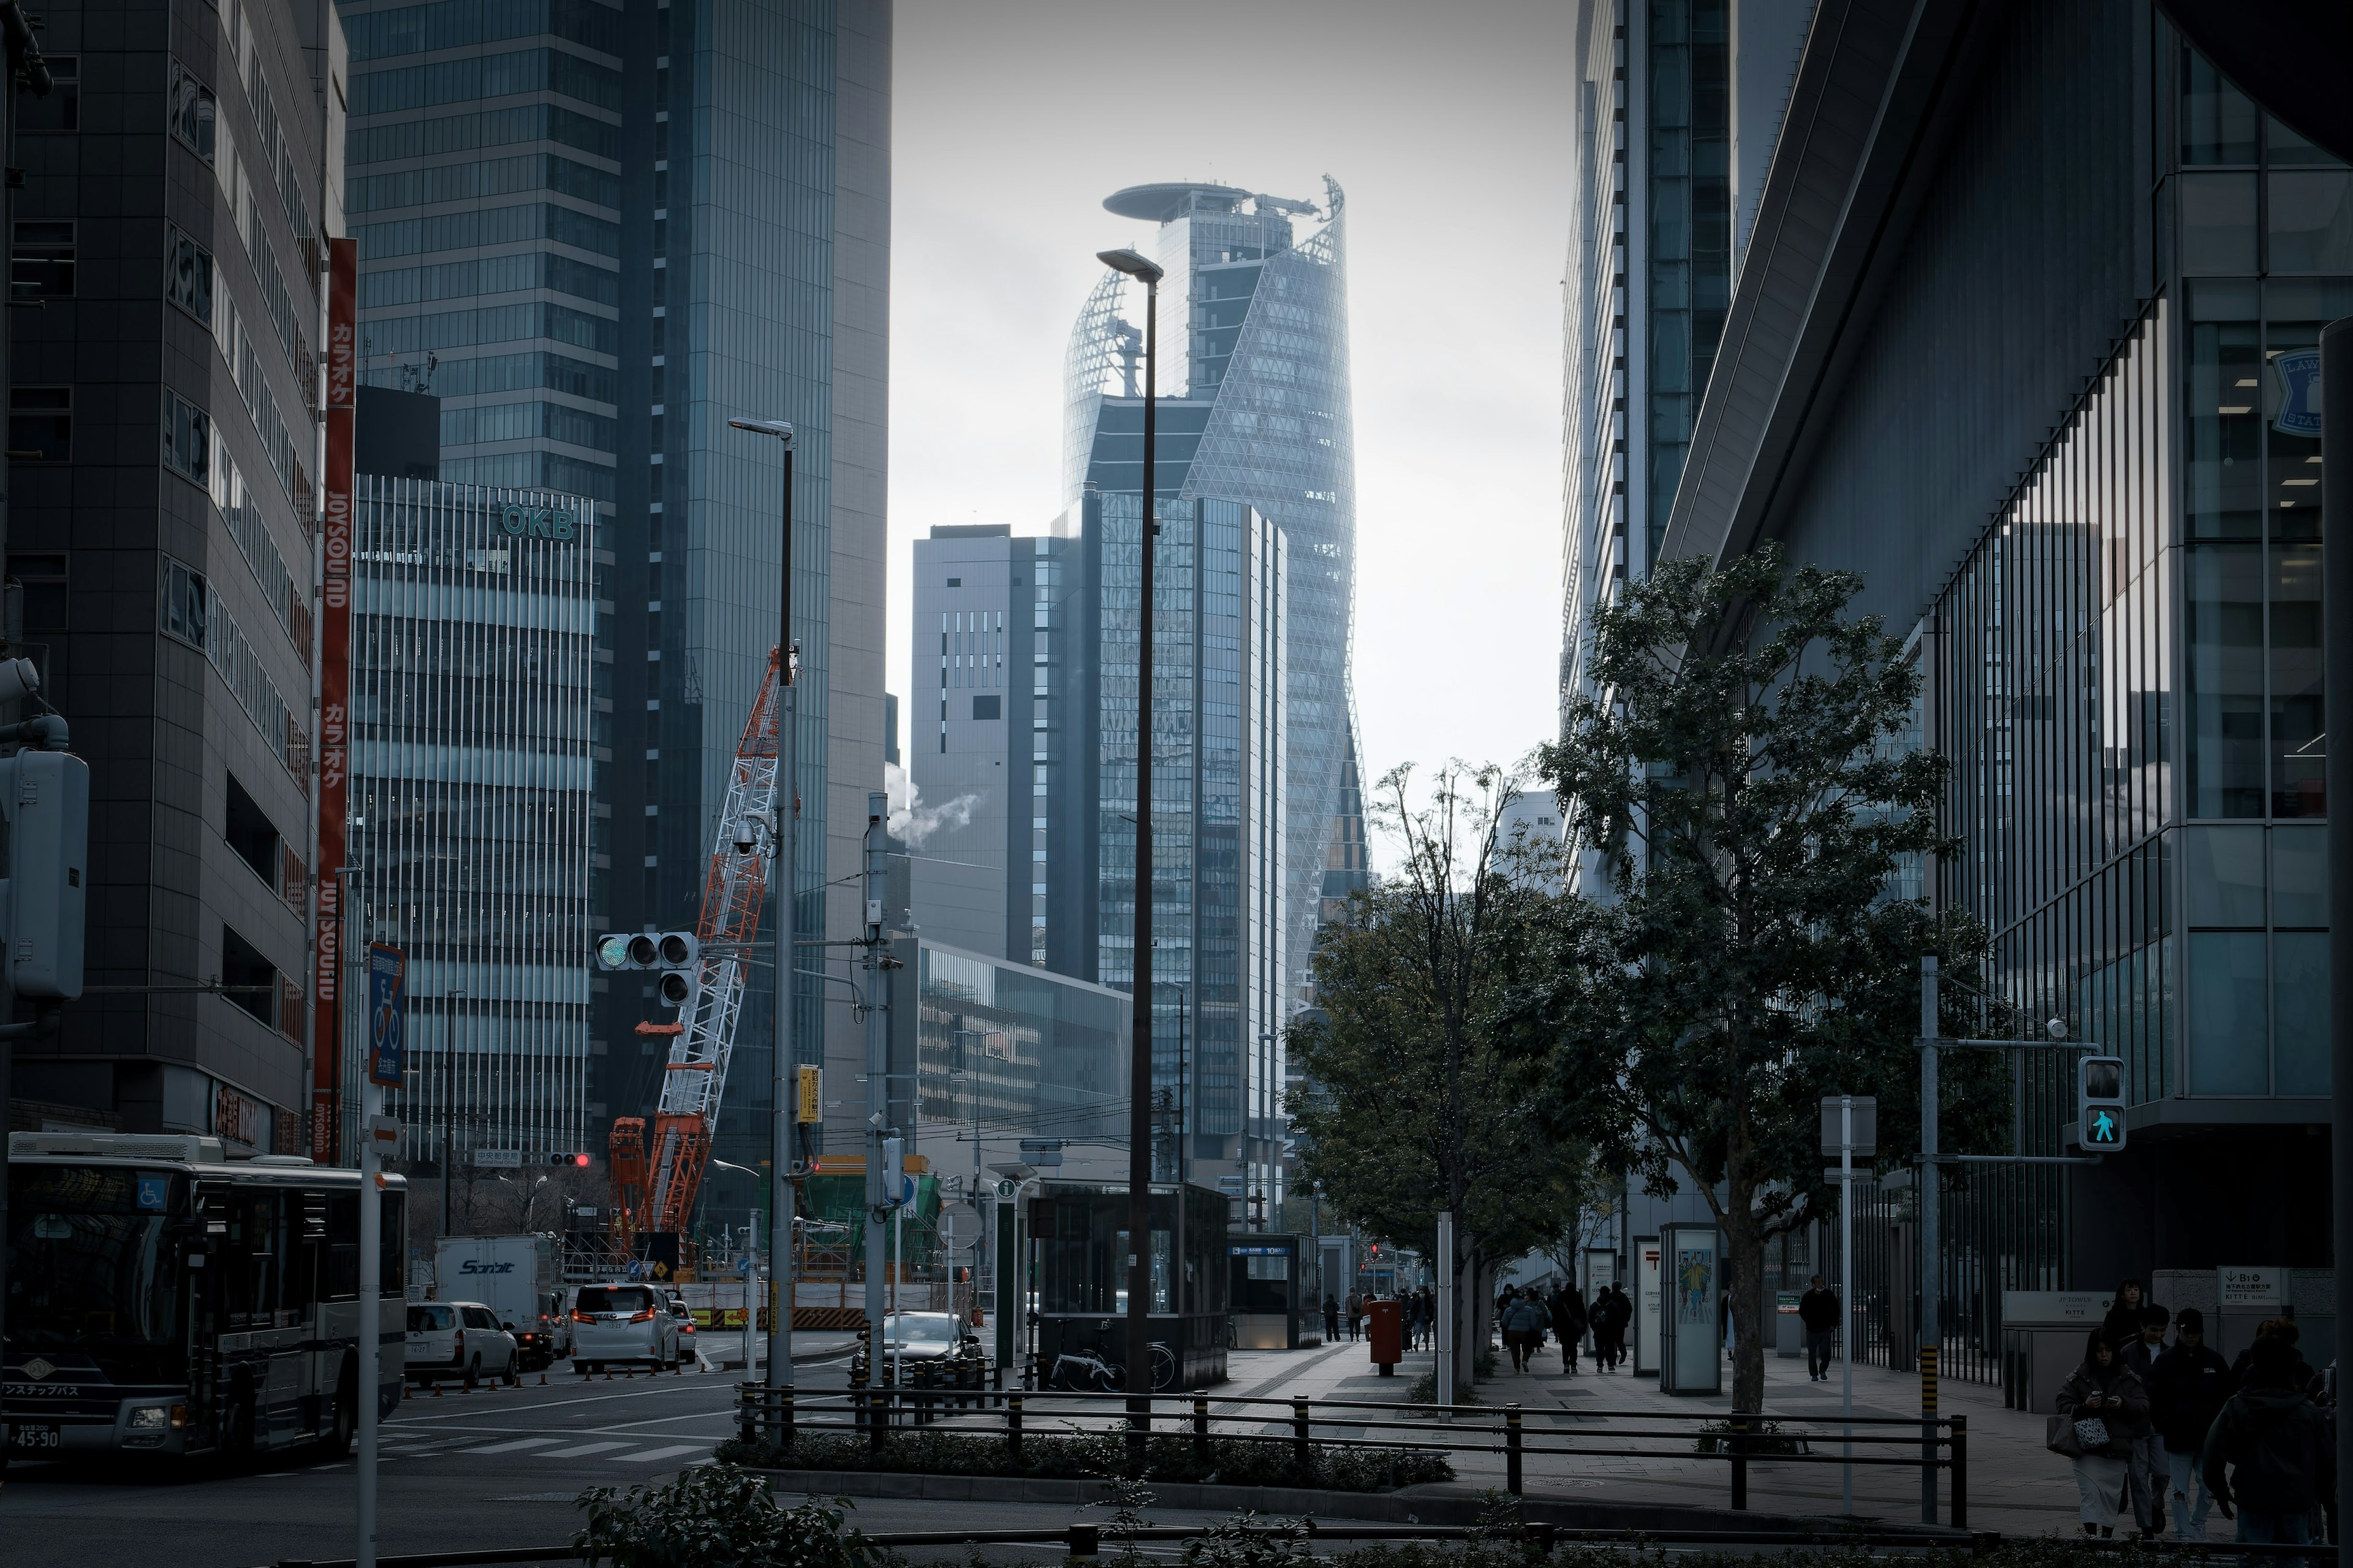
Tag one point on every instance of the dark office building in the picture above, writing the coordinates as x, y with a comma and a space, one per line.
2024, 334
162, 402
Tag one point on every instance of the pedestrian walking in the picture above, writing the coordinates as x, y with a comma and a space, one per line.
1331, 1319
2150, 1479
2122, 1325
1522, 1321
1356, 1305
2102, 1408
1818, 1310
1611, 1315
2271, 1450
2188, 1384
1569, 1320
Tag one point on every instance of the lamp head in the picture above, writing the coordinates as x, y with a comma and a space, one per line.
1133, 263
780, 428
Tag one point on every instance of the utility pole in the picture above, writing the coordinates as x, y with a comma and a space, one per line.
877, 1073
2337, 619
1932, 1272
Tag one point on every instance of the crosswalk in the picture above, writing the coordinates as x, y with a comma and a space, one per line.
402, 1444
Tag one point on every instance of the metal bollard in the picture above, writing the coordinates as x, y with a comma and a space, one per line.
1299, 1438
1201, 1426
1513, 1481
1961, 1472
1739, 1447
1013, 1425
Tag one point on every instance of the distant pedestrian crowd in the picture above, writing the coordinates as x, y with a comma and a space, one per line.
2144, 1422
1529, 1319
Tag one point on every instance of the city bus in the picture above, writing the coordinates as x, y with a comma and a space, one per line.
163, 1298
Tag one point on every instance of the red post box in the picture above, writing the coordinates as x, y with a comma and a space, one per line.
1385, 1332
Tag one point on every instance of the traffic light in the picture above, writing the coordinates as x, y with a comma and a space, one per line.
575, 1159
2100, 1104
673, 954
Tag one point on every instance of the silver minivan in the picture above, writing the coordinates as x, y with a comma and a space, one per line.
622, 1325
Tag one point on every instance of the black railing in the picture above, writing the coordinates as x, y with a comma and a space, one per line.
1739, 1439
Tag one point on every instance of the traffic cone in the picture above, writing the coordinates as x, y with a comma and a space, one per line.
437, 1388
542, 1377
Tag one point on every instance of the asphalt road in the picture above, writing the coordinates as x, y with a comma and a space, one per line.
495, 1467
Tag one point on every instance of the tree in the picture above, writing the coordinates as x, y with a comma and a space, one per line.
1739, 770
1412, 1109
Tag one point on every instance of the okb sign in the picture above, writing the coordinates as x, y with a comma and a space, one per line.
523, 521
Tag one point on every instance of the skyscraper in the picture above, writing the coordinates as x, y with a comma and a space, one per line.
1254, 408
1678, 104
596, 267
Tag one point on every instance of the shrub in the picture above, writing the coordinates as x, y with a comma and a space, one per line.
716, 1516
1086, 1456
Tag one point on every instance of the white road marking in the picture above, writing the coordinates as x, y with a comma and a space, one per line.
518, 1444
652, 1454
584, 1448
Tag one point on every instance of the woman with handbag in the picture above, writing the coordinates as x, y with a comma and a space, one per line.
2102, 1407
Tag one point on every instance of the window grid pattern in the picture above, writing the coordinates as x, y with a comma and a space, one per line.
473, 684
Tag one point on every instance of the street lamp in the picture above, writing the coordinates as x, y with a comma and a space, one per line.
782, 1067
450, 1099
1139, 1096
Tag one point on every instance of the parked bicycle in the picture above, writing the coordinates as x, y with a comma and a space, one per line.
1090, 1371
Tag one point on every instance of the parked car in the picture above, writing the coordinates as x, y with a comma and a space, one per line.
688, 1354
622, 1325
459, 1339
928, 1349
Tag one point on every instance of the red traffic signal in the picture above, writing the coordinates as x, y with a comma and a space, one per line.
578, 1160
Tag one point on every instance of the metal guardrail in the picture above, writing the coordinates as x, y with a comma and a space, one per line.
1932, 1443
1088, 1539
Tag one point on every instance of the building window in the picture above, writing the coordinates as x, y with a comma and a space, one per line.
61, 109
188, 439
987, 707
250, 980
192, 111
250, 833
41, 267
185, 611
40, 424
42, 580
187, 275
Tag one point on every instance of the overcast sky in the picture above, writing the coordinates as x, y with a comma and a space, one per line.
1450, 128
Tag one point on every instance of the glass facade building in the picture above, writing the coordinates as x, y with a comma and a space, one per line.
474, 678
2070, 441
1255, 407
596, 266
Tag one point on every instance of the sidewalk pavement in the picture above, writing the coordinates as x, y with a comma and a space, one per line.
2015, 1486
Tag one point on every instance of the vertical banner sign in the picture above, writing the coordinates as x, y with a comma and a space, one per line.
334, 693
388, 1015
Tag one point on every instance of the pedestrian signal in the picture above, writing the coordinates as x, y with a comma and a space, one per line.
2100, 1104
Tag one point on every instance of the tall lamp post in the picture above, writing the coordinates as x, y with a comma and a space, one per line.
1139, 1089
782, 1069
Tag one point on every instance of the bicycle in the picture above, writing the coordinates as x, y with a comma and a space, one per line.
1089, 1371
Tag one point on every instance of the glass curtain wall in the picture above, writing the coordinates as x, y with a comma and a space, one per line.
1689, 235
2266, 253
472, 690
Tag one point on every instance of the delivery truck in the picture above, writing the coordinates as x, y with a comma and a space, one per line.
519, 1279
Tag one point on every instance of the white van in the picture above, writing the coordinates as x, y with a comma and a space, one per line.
622, 1324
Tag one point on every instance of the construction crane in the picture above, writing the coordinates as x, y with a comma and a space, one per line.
654, 1184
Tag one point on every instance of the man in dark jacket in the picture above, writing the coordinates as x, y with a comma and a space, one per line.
1610, 1317
1818, 1310
2271, 1450
2187, 1386
1568, 1322
2150, 1476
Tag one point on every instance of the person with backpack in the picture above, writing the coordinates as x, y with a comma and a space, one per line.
2102, 1409
2187, 1383
2271, 1450
1521, 1322
1611, 1312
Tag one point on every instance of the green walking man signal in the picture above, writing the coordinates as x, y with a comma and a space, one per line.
2100, 1104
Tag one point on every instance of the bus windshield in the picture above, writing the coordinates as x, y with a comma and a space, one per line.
93, 1270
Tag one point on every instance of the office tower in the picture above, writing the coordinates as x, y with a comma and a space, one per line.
159, 526
1254, 407
1678, 103
2049, 395
473, 678
615, 227
973, 694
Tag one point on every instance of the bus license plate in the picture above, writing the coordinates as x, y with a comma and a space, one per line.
34, 1439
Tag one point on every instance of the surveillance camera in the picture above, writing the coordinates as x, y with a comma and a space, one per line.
18, 678
746, 835
2057, 1028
